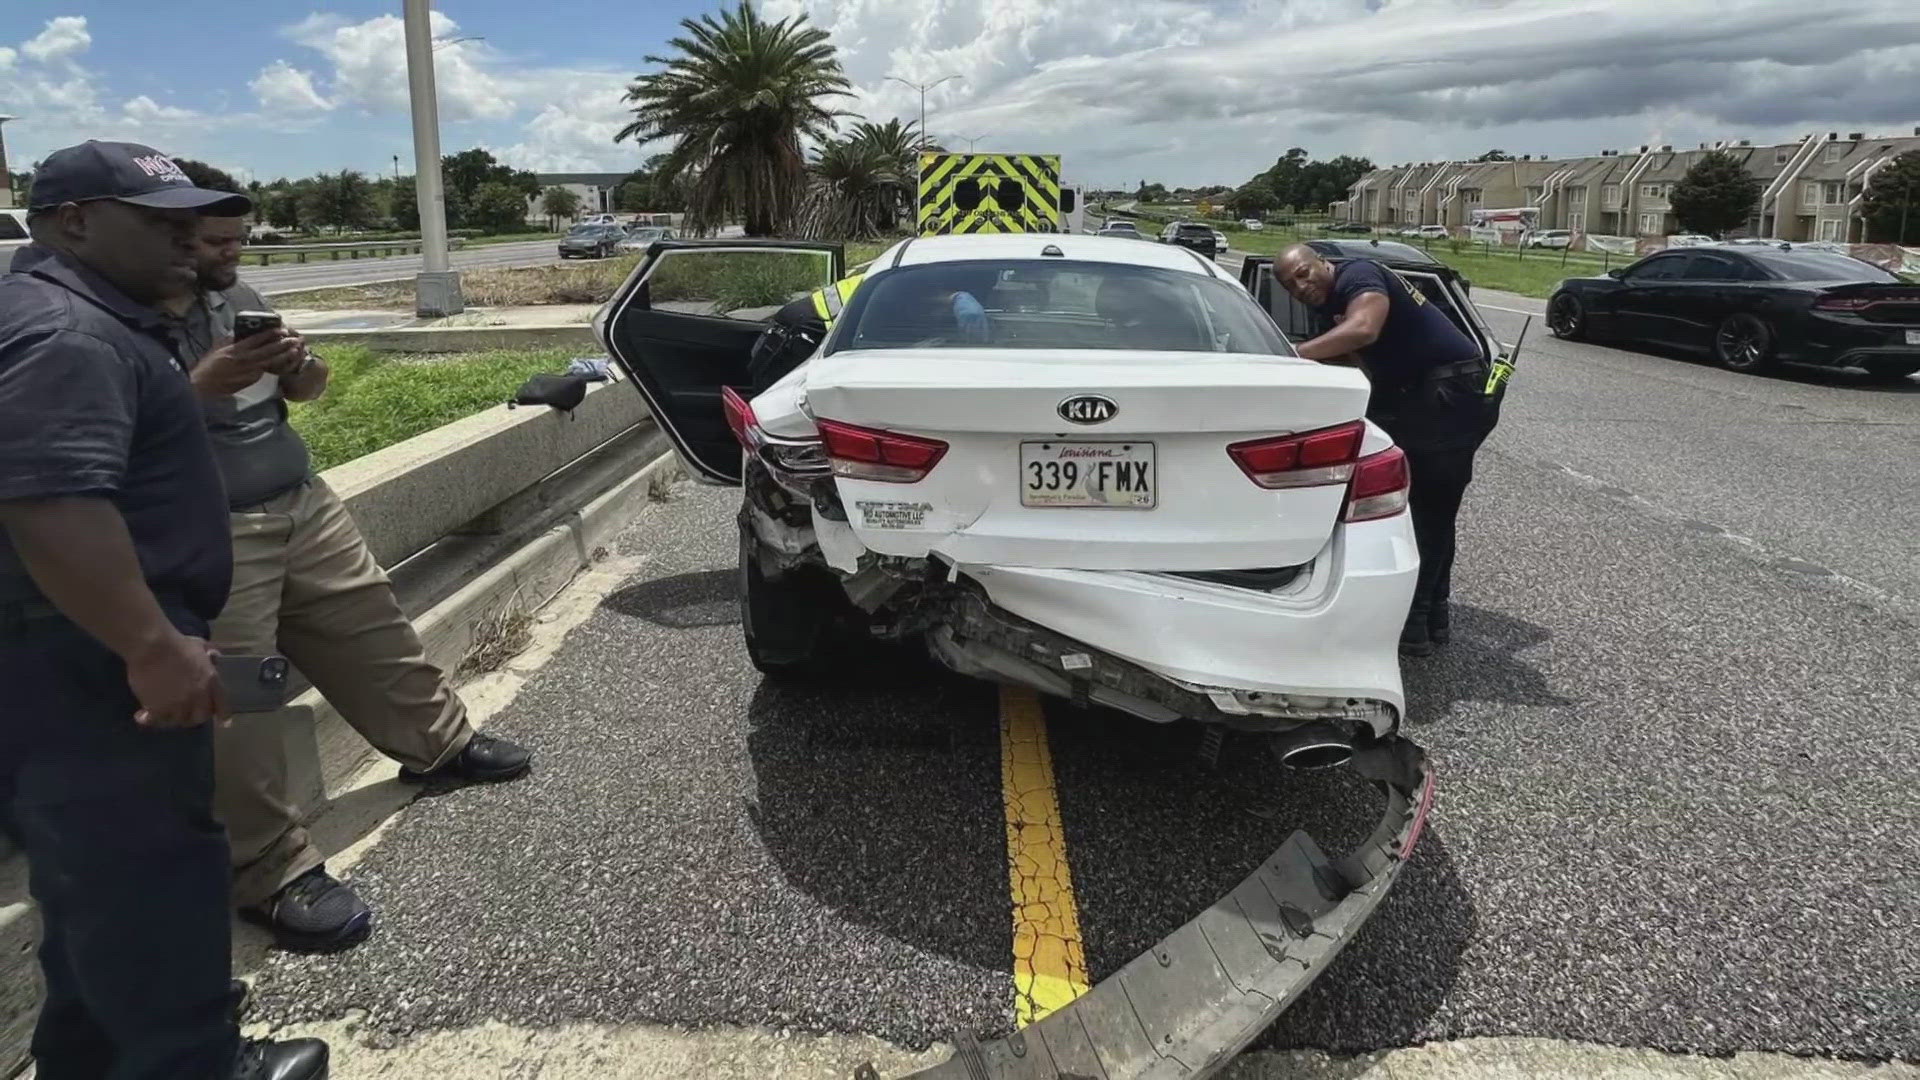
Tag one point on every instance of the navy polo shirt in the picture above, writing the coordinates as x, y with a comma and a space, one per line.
95, 402
1417, 337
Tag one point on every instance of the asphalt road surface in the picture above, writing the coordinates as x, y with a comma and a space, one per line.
322, 272
1674, 734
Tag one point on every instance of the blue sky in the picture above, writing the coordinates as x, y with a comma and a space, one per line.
1181, 91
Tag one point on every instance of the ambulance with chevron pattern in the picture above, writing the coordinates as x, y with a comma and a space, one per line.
966, 194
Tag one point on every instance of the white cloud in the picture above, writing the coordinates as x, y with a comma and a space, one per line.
145, 110
574, 131
1212, 90
282, 88
370, 67
62, 37
6, 58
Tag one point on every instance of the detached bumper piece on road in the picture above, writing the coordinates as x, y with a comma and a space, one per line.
1189, 1005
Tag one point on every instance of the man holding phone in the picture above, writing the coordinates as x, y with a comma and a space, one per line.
305, 585
114, 558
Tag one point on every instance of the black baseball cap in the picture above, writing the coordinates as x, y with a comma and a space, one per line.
128, 172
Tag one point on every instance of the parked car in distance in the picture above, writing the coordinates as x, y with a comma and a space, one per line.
1751, 308
1689, 240
13, 232
1549, 238
1252, 224
1349, 227
1220, 241
1432, 232
1194, 237
591, 241
597, 219
1125, 230
642, 237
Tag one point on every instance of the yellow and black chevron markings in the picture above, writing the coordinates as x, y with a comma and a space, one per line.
989, 193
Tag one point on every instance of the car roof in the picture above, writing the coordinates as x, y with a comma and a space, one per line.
1371, 249
921, 251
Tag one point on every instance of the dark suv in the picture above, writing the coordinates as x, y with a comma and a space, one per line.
1194, 236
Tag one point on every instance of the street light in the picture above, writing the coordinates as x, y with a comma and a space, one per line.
970, 140
6, 178
436, 291
923, 88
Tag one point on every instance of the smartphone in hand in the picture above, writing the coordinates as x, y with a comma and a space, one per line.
254, 684
247, 324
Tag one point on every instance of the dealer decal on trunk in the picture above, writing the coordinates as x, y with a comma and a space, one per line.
876, 514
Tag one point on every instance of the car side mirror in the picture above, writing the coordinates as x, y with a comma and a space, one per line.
1617, 273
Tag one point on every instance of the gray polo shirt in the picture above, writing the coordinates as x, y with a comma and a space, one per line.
260, 454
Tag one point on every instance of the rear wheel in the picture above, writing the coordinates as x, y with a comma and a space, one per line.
1743, 343
797, 626
1567, 317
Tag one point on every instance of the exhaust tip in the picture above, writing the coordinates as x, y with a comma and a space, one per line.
1313, 746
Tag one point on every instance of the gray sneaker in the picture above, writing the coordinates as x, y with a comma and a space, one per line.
315, 912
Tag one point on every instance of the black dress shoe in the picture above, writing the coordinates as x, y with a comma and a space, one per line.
287, 1059
1415, 639
314, 913
483, 760
242, 996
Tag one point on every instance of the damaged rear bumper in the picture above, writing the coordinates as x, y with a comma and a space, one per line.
1187, 1006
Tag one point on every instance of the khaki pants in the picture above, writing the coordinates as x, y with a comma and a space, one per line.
305, 585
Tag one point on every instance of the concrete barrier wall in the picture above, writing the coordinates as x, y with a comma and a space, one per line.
412, 493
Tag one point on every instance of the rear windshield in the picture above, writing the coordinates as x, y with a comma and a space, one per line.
1056, 304
1818, 266
1195, 230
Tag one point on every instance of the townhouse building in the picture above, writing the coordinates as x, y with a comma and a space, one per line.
1810, 188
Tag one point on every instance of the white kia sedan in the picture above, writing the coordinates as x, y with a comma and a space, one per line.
1086, 465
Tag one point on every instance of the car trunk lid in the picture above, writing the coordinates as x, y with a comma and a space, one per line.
1092, 459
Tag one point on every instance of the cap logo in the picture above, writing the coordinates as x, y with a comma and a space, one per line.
162, 167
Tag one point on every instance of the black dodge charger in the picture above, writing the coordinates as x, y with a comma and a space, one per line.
1752, 308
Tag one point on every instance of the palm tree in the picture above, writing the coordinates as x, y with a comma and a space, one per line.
737, 101
855, 189
863, 184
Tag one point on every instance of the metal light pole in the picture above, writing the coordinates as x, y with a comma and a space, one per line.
436, 291
6, 178
923, 88
970, 140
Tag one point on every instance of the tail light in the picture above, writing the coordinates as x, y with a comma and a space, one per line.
887, 456
1310, 459
1380, 485
739, 416
1841, 303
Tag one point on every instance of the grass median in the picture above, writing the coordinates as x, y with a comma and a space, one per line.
1529, 272
735, 281
374, 400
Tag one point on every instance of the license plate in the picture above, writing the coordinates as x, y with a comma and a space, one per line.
1913, 337
1112, 475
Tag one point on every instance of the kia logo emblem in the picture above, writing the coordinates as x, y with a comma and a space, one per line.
1088, 409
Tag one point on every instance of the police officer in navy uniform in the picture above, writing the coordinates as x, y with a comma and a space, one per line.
1434, 391
114, 562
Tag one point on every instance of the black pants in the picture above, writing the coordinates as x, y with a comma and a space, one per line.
128, 866
1440, 479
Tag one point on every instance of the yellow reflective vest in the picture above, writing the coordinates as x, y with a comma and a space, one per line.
830, 301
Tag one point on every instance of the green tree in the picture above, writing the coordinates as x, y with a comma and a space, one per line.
737, 100
463, 174
498, 207
284, 204
558, 202
1717, 195
854, 190
1254, 199
342, 200
1891, 204
1285, 176
206, 176
406, 205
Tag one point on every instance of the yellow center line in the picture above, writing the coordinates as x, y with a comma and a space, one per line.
1049, 963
